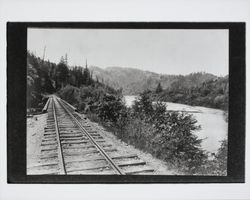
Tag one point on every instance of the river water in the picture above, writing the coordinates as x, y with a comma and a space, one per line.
213, 126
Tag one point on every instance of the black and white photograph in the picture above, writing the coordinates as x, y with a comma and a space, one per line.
127, 101
124, 99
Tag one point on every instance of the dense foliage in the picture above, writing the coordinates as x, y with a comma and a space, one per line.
38, 79
167, 135
135, 81
150, 127
199, 89
45, 77
96, 98
212, 93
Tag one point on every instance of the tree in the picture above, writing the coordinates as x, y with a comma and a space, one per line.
143, 106
86, 76
31, 90
62, 73
110, 108
159, 88
31, 75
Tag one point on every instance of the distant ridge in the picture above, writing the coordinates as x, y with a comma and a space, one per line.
134, 81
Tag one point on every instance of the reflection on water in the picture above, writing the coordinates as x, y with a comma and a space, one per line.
213, 126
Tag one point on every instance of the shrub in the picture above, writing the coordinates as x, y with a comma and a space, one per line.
175, 141
139, 133
221, 157
143, 106
70, 94
167, 135
110, 108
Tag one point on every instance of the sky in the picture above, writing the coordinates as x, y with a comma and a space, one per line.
165, 51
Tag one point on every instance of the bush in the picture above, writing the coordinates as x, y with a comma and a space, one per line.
110, 108
166, 135
138, 133
34, 99
70, 94
175, 141
221, 158
143, 107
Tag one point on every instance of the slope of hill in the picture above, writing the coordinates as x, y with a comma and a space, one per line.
134, 81
45, 77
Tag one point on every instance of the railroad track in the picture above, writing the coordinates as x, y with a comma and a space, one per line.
71, 146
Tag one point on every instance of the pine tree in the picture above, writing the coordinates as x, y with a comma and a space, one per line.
159, 88
143, 106
86, 76
62, 73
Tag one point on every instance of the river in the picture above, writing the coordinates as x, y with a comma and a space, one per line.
213, 126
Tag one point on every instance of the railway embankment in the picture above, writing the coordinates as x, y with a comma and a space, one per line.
36, 134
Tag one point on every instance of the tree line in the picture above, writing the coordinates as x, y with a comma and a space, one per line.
211, 93
45, 77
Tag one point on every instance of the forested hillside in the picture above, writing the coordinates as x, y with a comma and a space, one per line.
135, 81
45, 77
212, 93
199, 89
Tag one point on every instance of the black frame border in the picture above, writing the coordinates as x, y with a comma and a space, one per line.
16, 103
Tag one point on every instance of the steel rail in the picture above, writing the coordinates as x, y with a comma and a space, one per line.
110, 161
45, 108
60, 152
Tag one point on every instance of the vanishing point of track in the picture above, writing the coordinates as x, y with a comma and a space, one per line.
70, 146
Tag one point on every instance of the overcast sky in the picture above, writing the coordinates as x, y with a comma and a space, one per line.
161, 51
